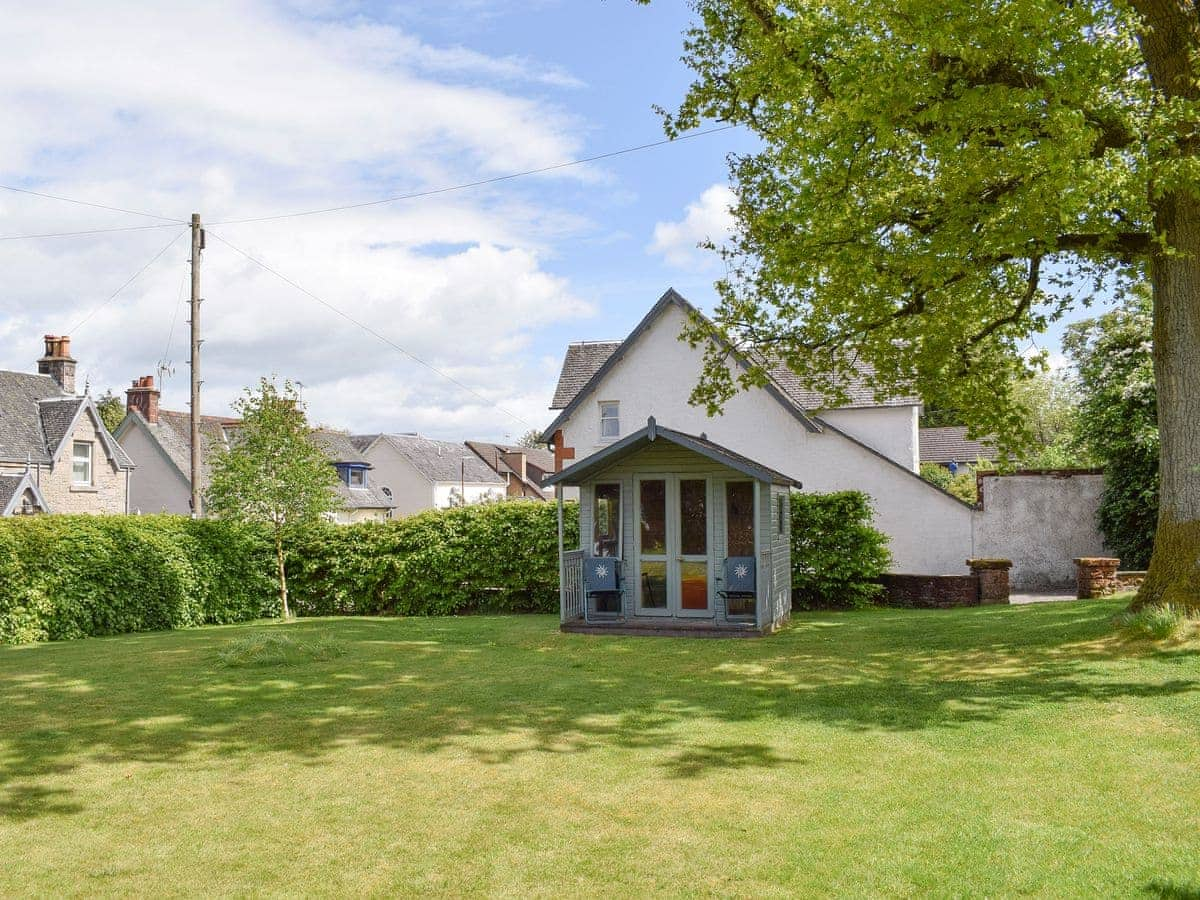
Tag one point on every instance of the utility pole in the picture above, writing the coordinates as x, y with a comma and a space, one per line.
197, 246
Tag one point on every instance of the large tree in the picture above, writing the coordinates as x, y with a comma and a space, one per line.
272, 474
938, 181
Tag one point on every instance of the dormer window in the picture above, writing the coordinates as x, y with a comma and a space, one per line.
610, 420
358, 478
353, 475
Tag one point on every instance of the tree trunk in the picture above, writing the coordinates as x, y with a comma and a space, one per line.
284, 612
1169, 41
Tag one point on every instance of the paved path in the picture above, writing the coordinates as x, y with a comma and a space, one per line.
1041, 597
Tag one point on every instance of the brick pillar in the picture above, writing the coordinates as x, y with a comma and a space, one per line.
992, 575
1096, 576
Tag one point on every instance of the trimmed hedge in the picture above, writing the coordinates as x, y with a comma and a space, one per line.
73, 576
837, 557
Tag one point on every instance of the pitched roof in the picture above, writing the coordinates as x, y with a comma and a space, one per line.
37, 416
339, 447
652, 432
437, 461
13, 486
539, 461
173, 433
951, 444
585, 361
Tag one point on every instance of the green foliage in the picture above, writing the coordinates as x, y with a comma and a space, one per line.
1158, 622
271, 648
961, 484
1118, 423
836, 554
937, 475
932, 184
499, 557
111, 409
73, 576
531, 439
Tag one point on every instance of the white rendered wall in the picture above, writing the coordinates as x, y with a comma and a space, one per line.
155, 486
476, 493
892, 430
930, 532
411, 491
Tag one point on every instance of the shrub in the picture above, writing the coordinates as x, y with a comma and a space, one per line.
837, 556
1156, 623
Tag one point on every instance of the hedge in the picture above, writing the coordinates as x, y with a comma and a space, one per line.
73, 576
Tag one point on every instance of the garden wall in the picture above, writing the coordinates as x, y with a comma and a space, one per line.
1041, 520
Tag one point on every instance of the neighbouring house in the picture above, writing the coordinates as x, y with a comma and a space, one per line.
419, 473
950, 447
56, 456
522, 468
160, 440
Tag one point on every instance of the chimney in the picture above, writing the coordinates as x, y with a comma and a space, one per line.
516, 461
143, 397
57, 363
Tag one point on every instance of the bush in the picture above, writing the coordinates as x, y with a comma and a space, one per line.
961, 484
837, 556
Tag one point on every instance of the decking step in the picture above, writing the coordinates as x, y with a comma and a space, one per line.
655, 630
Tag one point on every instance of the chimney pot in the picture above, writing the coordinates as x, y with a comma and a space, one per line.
57, 362
143, 397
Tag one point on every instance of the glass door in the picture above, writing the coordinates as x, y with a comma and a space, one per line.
693, 595
653, 558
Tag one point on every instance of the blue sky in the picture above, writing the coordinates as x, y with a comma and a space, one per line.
256, 108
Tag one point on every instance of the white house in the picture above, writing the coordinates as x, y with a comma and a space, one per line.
609, 390
420, 473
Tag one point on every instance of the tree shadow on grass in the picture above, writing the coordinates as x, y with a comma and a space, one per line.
1170, 890
504, 687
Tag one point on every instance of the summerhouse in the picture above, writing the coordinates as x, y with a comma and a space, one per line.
679, 535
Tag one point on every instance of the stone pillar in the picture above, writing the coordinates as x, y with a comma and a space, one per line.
993, 579
1096, 576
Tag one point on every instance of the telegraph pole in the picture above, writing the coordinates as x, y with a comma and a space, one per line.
197, 246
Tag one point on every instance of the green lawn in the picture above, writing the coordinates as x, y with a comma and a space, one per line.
992, 751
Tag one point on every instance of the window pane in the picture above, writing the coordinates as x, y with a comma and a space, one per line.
357, 477
610, 428
654, 517
653, 588
606, 527
693, 518
693, 585
739, 518
81, 462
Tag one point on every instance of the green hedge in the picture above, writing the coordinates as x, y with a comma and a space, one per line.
73, 576
837, 556
497, 557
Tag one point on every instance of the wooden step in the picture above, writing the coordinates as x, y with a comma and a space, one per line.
662, 629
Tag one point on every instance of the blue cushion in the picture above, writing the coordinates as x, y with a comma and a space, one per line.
601, 573
739, 574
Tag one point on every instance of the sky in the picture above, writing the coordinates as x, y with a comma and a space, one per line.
250, 109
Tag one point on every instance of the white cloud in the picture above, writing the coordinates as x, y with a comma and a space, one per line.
707, 219
235, 110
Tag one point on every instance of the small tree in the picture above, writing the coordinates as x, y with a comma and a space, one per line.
273, 473
531, 439
111, 409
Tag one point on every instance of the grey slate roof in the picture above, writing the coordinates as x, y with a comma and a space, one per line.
173, 432
12, 485
437, 461
36, 416
583, 360
341, 448
539, 461
951, 444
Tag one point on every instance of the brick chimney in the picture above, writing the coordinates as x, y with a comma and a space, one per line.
143, 397
57, 363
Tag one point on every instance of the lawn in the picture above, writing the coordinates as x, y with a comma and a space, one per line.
991, 751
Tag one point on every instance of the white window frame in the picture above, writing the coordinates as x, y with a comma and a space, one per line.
615, 418
361, 473
88, 460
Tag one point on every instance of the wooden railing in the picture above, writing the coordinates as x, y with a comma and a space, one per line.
571, 598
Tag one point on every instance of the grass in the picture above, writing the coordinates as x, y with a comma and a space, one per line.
1153, 623
992, 751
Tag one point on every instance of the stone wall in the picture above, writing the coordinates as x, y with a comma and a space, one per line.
930, 591
106, 494
1042, 520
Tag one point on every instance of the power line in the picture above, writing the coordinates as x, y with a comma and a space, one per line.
371, 331
22, 237
132, 212
131, 280
481, 182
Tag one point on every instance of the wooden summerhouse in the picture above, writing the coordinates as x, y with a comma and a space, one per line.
679, 536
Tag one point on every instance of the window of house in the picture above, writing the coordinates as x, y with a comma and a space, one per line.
610, 420
606, 521
81, 463
358, 478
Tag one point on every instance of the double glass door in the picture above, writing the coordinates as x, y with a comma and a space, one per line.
674, 536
